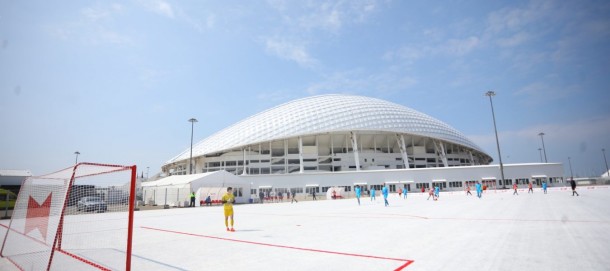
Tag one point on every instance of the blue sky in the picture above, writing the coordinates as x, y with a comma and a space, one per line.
117, 81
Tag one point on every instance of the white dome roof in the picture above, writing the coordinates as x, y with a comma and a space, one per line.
323, 114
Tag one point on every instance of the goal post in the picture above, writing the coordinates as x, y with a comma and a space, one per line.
78, 218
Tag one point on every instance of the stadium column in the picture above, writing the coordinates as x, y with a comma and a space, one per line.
301, 169
355, 147
245, 172
443, 154
440, 150
471, 158
403, 150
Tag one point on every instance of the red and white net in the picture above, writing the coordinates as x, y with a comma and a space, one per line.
79, 218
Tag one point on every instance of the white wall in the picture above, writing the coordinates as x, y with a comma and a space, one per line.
424, 175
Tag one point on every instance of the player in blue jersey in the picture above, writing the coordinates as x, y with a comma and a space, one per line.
544, 187
479, 190
385, 192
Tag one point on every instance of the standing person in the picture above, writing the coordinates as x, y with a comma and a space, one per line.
385, 192
544, 187
529, 186
192, 199
227, 200
479, 192
272, 196
281, 196
294, 198
399, 192
515, 188
437, 191
573, 185
468, 190
313, 193
357, 190
261, 196
373, 194
404, 191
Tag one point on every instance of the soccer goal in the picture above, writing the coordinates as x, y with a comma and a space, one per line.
79, 218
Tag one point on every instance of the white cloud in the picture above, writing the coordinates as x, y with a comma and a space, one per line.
330, 16
95, 14
159, 6
517, 19
357, 81
103, 35
451, 47
458, 47
577, 138
290, 51
539, 92
514, 40
94, 27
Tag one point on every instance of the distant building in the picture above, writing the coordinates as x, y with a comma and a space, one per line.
342, 140
12, 179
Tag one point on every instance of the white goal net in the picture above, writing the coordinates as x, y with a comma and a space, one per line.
79, 218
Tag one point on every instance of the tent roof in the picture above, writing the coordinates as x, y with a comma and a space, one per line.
188, 179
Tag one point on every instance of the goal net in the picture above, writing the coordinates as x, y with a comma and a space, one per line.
79, 218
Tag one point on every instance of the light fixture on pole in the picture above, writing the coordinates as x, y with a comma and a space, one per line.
77, 153
607, 170
571, 173
192, 121
543, 148
540, 151
491, 94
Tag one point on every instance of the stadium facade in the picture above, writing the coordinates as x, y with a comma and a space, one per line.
342, 140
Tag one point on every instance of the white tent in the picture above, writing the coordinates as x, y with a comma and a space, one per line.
175, 190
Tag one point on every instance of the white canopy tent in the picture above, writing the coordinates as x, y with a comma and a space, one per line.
175, 190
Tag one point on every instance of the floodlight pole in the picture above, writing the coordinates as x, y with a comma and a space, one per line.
77, 153
543, 148
607, 170
540, 151
571, 173
192, 121
490, 94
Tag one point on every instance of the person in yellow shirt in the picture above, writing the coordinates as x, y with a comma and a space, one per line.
228, 199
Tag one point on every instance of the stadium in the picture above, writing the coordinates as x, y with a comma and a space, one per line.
319, 142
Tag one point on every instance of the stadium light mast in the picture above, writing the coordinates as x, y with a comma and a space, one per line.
192, 121
77, 153
540, 151
543, 148
607, 170
571, 173
493, 115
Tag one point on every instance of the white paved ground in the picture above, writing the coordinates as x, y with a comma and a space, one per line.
555, 231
